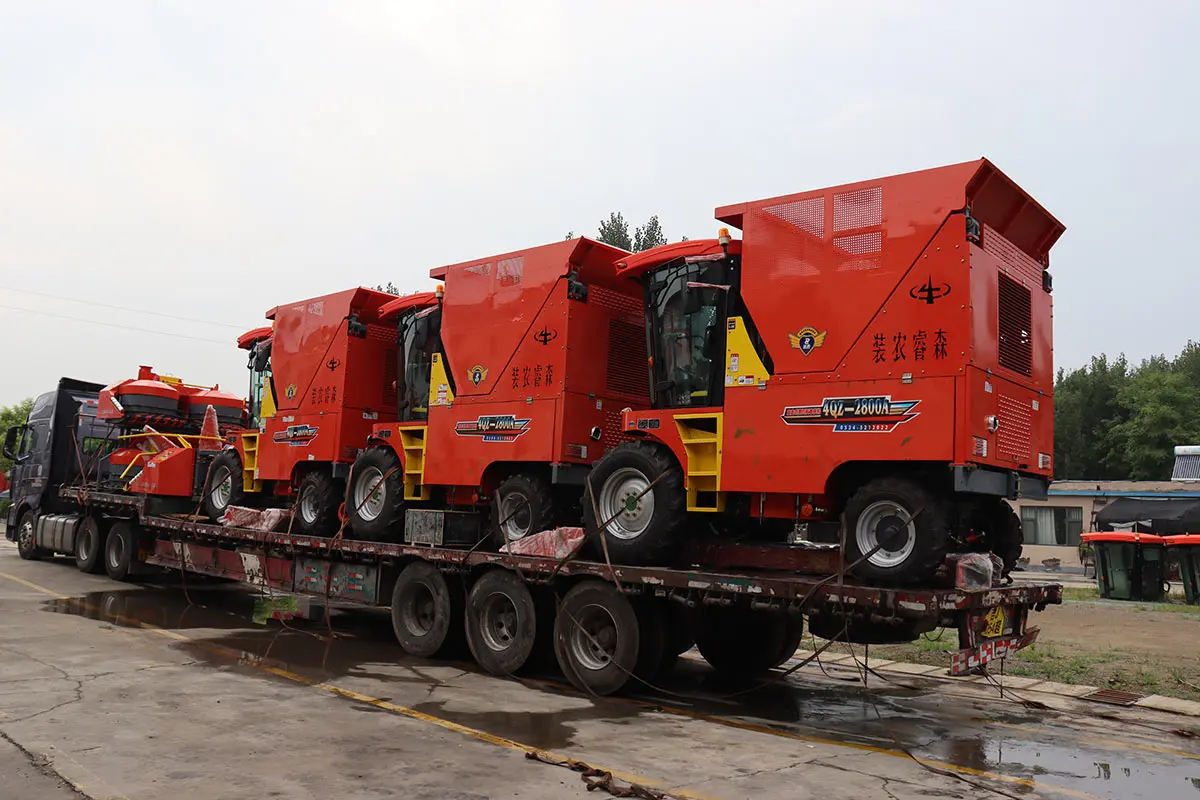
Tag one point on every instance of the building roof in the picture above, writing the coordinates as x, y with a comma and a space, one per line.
1124, 489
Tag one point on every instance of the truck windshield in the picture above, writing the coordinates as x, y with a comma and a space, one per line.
419, 339
686, 304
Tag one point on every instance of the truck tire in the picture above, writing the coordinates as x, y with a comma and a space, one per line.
908, 519
679, 637
596, 637
120, 550
377, 516
427, 616
317, 503
652, 639
224, 484
1001, 526
640, 530
27, 547
739, 643
89, 545
501, 622
522, 505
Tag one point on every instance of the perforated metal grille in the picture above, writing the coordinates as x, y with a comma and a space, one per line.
1018, 262
1014, 440
630, 307
627, 360
1115, 697
861, 243
613, 434
1015, 323
807, 215
858, 209
382, 333
389, 380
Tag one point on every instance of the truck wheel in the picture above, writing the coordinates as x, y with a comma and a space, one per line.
375, 516
426, 614
652, 638
501, 622
522, 505
120, 550
27, 547
89, 545
317, 504
1002, 531
740, 643
679, 637
909, 521
644, 527
596, 637
224, 484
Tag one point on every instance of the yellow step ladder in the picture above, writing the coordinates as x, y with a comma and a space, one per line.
412, 443
250, 481
701, 437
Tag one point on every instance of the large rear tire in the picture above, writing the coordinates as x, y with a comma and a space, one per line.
427, 614
521, 506
501, 622
89, 544
27, 547
1001, 528
644, 527
120, 550
376, 516
224, 484
596, 637
317, 504
907, 519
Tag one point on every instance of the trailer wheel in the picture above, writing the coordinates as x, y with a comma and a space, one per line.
501, 622
596, 637
652, 638
679, 637
522, 505
644, 527
27, 547
375, 515
740, 643
317, 504
224, 484
426, 614
120, 550
89, 545
1001, 526
909, 522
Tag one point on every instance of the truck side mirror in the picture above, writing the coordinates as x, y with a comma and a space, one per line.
10, 441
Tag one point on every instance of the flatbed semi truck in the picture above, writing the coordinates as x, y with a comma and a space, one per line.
607, 625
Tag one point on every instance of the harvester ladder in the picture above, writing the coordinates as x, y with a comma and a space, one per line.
412, 443
701, 437
250, 481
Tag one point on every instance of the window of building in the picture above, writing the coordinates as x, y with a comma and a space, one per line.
1052, 525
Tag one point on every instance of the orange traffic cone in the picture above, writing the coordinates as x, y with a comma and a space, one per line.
210, 434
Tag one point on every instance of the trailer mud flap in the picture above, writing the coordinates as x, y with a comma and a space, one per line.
990, 634
967, 660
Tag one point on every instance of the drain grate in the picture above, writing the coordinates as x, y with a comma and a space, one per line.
1114, 697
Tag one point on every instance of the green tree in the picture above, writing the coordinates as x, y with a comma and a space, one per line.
1160, 412
13, 415
1085, 409
648, 235
388, 287
615, 231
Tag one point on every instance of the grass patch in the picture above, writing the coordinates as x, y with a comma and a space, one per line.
1079, 593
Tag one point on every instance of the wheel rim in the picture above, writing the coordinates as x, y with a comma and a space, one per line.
620, 502
498, 622
369, 504
418, 610
83, 547
308, 506
116, 551
222, 488
516, 516
593, 638
878, 521
25, 535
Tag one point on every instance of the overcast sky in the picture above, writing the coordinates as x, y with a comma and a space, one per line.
211, 159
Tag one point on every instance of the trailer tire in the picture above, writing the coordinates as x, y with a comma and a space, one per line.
652, 639
679, 637
596, 637
376, 519
501, 622
317, 502
223, 485
645, 530
878, 511
426, 613
739, 643
89, 545
120, 550
27, 546
521, 506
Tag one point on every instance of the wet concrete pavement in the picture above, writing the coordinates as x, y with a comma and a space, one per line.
135, 692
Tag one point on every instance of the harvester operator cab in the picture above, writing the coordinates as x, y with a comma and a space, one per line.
262, 400
420, 336
687, 301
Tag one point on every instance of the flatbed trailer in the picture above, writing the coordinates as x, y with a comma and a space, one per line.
605, 623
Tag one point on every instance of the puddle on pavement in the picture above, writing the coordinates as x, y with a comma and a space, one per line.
1044, 747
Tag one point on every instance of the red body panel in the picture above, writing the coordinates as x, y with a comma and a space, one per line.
169, 473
